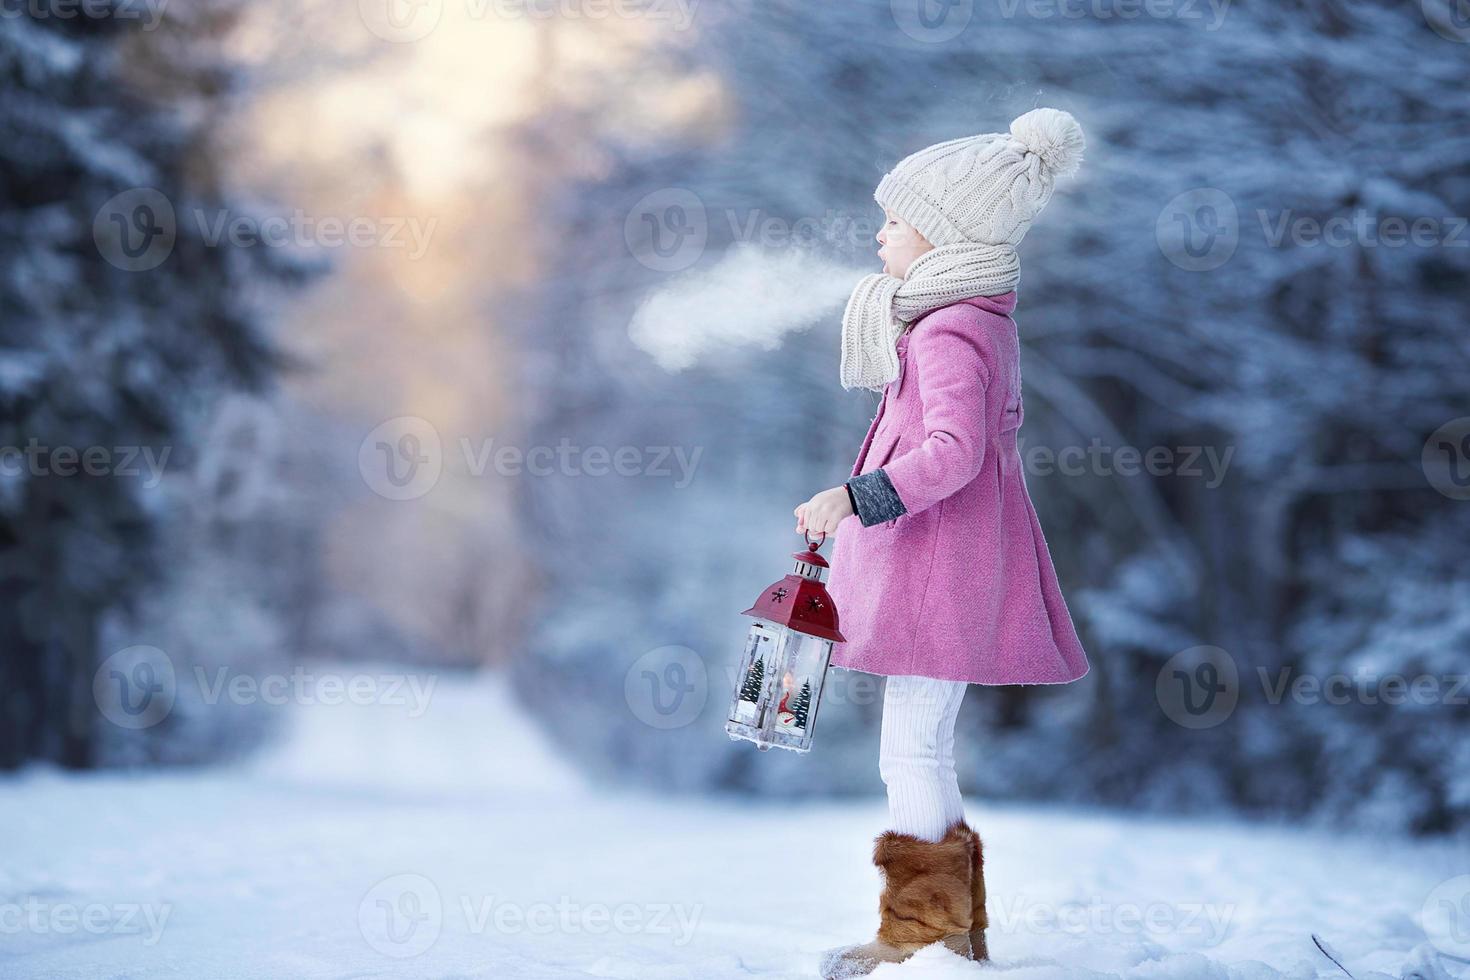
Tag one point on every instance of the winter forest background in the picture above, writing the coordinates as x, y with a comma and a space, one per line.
635, 232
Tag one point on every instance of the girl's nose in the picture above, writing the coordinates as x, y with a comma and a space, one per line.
879, 237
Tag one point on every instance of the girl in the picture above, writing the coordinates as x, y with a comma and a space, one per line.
944, 578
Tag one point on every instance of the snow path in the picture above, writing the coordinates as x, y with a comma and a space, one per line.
326, 858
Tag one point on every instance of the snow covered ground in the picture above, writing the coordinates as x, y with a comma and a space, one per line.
454, 844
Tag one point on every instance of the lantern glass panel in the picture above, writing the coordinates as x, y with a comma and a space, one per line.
753, 679
800, 688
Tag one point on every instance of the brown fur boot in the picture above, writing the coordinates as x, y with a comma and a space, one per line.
979, 920
927, 898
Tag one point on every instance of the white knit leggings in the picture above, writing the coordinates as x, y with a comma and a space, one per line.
916, 755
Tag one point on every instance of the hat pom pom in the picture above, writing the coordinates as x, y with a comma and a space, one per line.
1054, 136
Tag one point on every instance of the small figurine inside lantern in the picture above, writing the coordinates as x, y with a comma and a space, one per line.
781, 673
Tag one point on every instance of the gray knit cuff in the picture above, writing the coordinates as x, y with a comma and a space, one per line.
875, 499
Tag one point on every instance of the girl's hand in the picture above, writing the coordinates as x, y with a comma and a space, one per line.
824, 512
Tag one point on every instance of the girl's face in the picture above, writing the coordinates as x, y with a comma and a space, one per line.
902, 244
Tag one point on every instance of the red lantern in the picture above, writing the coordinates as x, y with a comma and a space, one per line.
780, 679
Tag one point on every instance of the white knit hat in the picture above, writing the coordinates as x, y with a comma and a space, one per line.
973, 199
984, 189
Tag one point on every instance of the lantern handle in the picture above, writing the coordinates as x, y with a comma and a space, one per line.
807, 537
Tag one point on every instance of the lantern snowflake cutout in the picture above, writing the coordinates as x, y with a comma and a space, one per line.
787, 649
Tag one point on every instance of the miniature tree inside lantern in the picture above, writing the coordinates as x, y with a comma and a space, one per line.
781, 673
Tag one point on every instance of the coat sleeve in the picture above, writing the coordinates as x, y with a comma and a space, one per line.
951, 353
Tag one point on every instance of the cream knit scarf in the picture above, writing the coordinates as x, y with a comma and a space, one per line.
882, 306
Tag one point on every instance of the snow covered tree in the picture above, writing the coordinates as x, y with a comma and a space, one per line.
120, 328
803, 704
754, 678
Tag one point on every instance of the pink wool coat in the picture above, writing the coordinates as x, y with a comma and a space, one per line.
960, 586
